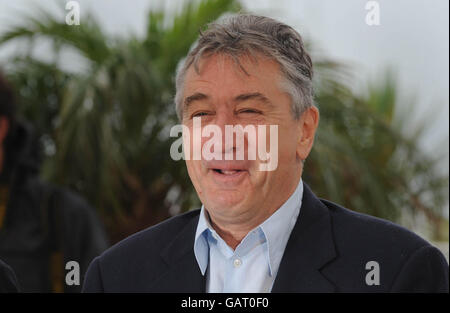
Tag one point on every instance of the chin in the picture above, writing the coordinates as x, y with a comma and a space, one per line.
225, 200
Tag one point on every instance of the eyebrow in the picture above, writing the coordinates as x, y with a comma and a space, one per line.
251, 96
195, 97
198, 96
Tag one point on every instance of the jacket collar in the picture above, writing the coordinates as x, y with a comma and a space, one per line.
310, 247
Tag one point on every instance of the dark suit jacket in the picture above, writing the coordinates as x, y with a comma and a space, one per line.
327, 251
8, 280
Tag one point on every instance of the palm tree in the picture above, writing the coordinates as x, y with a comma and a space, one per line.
108, 126
105, 130
363, 160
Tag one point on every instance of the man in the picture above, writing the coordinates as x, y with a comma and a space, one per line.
261, 230
42, 226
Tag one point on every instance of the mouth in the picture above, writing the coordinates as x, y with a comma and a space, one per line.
228, 178
226, 172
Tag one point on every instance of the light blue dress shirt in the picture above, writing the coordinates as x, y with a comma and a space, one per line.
253, 265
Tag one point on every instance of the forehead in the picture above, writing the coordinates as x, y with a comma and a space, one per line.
221, 76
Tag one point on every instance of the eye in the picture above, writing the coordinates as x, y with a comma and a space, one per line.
249, 111
199, 114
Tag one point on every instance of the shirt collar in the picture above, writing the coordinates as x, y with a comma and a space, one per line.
276, 229
201, 246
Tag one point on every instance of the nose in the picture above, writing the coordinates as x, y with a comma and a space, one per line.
233, 143
224, 120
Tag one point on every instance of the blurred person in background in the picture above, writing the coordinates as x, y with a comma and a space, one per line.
42, 226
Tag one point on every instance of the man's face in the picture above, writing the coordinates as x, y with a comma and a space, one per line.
223, 94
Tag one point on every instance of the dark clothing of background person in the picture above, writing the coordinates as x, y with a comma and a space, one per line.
42, 226
8, 280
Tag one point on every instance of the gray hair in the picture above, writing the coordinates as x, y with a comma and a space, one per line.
245, 34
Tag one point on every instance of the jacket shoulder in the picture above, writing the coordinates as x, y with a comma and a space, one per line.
153, 238
360, 240
136, 261
370, 231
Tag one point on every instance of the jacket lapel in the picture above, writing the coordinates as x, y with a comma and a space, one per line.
309, 248
183, 273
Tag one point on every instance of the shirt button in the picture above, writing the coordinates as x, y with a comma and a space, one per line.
237, 262
215, 236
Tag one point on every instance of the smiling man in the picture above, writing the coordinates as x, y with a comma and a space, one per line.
261, 230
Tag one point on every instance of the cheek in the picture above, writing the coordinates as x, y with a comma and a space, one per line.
194, 172
285, 137
287, 145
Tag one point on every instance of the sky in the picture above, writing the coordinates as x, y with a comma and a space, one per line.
412, 39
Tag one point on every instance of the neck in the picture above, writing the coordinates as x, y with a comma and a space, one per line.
231, 237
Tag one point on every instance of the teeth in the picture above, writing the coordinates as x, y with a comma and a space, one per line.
227, 172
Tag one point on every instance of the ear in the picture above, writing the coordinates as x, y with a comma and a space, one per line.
4, 127
307, 128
